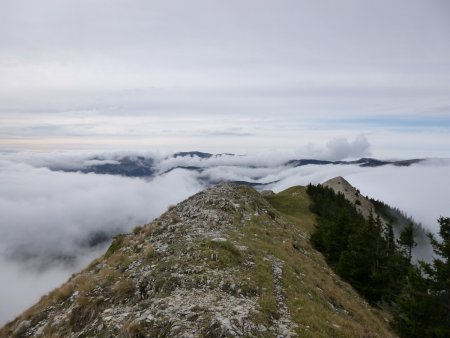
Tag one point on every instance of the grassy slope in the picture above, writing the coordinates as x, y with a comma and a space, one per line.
317, 298
294, 203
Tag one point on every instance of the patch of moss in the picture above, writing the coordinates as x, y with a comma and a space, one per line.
115, 245
222, 253
225, 245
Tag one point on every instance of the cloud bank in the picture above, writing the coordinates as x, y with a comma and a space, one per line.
51, 222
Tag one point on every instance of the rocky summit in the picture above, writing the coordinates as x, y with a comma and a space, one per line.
340, 186
226, 262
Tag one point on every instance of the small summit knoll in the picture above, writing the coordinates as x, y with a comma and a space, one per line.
362, 204
226, 262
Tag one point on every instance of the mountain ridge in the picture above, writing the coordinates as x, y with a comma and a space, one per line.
225, 262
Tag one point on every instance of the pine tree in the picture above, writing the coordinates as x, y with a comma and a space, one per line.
415, 307
424, 306
439, 276
407, 241
389, 234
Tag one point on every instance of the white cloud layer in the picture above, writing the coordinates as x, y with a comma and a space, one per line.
48, 215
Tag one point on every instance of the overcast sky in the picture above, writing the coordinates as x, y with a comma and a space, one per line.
232, 75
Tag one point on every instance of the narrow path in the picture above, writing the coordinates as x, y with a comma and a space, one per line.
283, 327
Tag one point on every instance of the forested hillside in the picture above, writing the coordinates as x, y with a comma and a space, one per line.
366, 253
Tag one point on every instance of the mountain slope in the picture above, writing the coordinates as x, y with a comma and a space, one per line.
386, 213
224, 263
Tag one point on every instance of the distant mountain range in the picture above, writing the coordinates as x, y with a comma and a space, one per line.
362, 162
142, 166
138, 166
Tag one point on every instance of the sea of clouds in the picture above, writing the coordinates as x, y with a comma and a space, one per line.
48, 217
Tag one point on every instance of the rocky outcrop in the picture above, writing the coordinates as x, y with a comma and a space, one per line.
342, 186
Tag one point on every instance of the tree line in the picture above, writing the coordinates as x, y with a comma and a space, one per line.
379, 266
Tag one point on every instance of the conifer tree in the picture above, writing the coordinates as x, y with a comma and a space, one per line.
439, 276
424, 306
389, 234
407, 241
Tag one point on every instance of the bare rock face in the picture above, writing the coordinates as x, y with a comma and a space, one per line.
223, 263
362, 204
267, 193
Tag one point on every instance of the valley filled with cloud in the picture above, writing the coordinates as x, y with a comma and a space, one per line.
57, 215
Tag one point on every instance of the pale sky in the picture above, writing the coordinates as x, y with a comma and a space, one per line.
230, 75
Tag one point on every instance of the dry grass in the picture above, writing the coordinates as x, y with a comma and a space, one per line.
107, 276
148, 229
85, 310
119, 260
150, 252
133, 329
123, 288
84, 283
